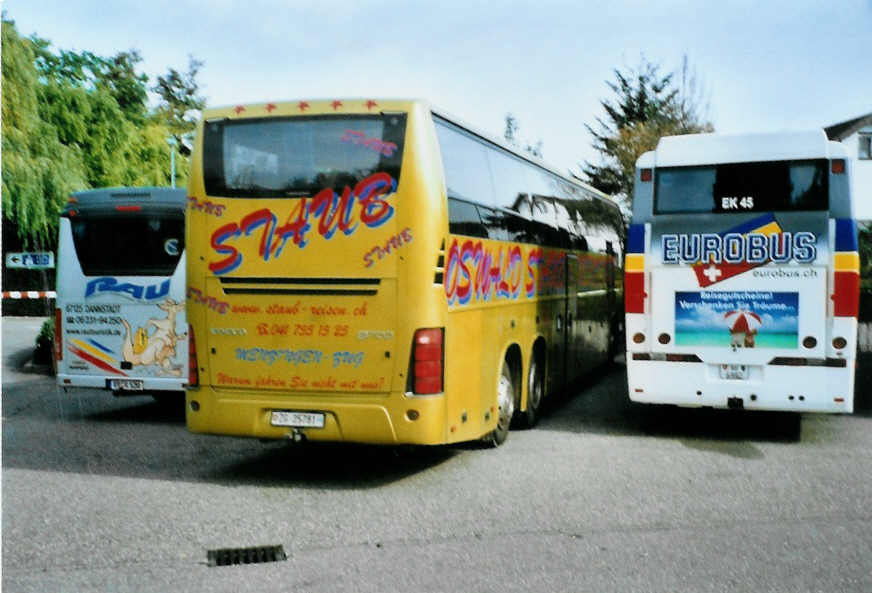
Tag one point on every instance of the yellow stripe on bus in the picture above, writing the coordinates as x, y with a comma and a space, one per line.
770, 229
634, 263
90, 349
847, 262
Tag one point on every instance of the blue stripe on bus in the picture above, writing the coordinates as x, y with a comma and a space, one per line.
752, 225
100, 346
636, 239
846, 234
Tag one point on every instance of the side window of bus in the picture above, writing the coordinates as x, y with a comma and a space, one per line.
464, 219
467, 173
511, 180
497, 223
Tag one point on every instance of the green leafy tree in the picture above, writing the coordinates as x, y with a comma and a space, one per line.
646, 106
180, 101
74, 120
39, 168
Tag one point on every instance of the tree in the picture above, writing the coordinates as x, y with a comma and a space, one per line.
180, 104
647, 106
511, 136
39, 169
75, 120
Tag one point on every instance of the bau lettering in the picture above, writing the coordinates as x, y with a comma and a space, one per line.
109, 285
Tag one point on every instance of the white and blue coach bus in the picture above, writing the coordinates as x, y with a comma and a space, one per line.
120, 318
742, 274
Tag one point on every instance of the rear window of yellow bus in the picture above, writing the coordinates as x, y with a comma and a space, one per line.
299, 156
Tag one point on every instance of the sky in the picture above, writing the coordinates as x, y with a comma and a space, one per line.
762, 66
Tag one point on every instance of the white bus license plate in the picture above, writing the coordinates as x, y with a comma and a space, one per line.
297, 419
734, 371
126, 384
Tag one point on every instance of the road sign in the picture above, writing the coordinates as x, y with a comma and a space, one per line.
35, 260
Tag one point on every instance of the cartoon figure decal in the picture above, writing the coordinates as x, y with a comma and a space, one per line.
158, 348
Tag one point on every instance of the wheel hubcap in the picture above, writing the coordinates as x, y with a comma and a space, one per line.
506, 403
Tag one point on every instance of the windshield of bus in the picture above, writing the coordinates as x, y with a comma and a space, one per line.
299, 156
129, 245
773, 186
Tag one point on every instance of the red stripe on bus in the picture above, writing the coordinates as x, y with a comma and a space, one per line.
96, 361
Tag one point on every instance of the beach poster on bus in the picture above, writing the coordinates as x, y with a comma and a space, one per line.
740, 319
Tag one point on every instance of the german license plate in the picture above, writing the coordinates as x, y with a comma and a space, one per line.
734, 371
297, 419
126, 384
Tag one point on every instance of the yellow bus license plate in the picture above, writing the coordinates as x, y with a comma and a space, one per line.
297, 419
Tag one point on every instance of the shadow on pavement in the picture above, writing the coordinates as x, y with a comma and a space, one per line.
605, 408
92, 432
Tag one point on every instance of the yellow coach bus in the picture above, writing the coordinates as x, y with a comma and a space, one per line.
375, 271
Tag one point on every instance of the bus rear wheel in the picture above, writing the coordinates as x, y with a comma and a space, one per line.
535, 391
505, 407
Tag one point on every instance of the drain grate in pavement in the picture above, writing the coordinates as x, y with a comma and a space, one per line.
256, 555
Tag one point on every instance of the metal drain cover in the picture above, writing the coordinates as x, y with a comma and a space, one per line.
255, 555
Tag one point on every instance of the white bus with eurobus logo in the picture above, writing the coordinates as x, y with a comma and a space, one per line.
742, 274
120, 318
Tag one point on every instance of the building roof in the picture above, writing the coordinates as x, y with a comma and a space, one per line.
844, 129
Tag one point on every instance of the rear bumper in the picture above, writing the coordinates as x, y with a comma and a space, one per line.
769, 387
378, 420
102, 382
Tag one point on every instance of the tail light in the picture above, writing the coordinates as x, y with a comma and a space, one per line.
428, 356
58, 346
846, 294
193, 371
838, 166
634, 292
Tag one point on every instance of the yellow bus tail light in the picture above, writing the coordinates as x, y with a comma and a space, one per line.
193, 371
428, 356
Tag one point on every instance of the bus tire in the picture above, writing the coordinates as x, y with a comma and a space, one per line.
535, 393
505, 407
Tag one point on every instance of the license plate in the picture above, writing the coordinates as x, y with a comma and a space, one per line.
125, 384
297, 419
734, 371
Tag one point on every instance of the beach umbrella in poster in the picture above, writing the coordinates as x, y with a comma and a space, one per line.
740, 320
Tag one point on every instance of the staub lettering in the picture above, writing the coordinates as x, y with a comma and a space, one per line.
110, 285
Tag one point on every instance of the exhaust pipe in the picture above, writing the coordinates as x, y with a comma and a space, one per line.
296, 435
735, 403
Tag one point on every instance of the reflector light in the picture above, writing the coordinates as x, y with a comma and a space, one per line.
128, 208
193, 371
838, 166
58, 346
646, 175
428, 355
